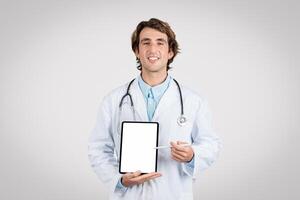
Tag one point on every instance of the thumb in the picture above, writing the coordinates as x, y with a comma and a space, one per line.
132, 174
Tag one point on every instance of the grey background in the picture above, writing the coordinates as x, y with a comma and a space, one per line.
59, 58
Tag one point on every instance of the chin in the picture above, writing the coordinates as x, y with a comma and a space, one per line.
154, 69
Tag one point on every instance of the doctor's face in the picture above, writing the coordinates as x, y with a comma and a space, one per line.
153, 50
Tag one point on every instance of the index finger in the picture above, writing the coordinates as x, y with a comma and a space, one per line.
177, 146
181, 142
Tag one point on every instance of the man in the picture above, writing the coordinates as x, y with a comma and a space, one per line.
156, 97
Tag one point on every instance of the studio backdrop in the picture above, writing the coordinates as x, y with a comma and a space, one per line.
58, 59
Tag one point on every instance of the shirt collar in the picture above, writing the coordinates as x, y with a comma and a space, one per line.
157, 90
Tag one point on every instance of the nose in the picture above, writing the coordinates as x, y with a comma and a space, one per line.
152, 48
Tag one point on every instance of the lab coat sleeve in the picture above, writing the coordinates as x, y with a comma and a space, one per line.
101, 151
205, 143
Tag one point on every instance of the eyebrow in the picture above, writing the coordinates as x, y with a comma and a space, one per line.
158, 39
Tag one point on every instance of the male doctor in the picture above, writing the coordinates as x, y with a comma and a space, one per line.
156, 97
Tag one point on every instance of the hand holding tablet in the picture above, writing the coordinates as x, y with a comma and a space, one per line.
130, 179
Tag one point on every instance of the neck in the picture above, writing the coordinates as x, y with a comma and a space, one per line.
154, 79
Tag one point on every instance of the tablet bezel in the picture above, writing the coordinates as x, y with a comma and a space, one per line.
121, 143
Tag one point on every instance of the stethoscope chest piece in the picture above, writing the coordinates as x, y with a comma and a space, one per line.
181, 120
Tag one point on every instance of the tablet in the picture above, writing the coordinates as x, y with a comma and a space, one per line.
137, 147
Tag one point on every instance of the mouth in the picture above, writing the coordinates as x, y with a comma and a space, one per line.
152, 59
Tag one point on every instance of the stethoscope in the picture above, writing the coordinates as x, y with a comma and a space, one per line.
181, 121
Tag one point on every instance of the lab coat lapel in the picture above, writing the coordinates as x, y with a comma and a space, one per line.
166, 100
139, 101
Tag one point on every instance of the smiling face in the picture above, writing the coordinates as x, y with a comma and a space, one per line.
153, 51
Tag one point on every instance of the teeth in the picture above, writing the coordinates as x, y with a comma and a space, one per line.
153, 58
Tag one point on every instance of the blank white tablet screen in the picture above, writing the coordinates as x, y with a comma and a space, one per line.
137, 148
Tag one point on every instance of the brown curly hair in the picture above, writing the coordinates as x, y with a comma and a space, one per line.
161, 26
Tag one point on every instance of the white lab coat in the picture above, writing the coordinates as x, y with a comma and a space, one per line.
176, 180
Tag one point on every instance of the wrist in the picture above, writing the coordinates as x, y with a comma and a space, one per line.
121, 181
191, 158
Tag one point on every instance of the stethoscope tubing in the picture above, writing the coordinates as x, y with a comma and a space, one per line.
181, 120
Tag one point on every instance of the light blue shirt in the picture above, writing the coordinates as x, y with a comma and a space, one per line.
153, 95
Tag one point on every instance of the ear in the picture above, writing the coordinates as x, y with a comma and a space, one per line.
171, 54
